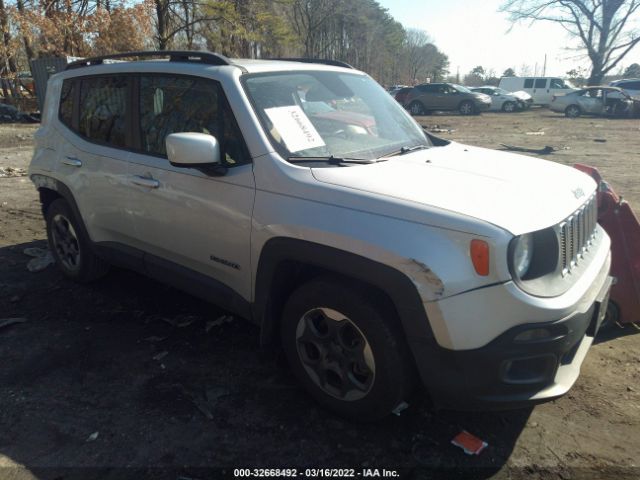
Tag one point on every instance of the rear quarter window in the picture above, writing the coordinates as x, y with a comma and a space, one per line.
528, 83
67, 98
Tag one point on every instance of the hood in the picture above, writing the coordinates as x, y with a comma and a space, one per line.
517, 193
522, 95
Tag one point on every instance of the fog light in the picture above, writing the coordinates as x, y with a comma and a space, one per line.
533, 335
529, 370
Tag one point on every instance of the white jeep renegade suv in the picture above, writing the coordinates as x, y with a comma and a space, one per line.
301, 196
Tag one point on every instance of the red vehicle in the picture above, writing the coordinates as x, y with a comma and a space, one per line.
616, 217
401, 95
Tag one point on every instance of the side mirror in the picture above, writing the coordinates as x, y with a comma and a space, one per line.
191, 149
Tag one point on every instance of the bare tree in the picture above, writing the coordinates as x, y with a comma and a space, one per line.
607, 29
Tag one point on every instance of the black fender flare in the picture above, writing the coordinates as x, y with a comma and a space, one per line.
395, 284
45, 182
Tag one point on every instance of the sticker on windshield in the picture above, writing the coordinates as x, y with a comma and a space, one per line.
295, 128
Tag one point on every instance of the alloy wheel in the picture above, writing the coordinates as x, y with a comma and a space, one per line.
65, 242
466, 108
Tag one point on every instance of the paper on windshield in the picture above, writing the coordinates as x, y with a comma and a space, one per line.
295, 128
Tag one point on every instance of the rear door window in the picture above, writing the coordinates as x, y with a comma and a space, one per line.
426, 88
540, 83
103, 109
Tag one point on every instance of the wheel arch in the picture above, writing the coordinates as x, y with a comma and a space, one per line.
51, 189
574, 105
286, 263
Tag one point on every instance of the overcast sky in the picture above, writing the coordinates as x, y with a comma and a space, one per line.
472, 32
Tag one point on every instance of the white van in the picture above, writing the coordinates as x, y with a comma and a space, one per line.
542, 89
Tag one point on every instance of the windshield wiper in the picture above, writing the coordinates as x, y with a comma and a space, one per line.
404, 150
332, 159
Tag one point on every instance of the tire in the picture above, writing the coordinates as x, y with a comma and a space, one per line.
321, 320
509, 107
572, 111
467, 108
611, 318
70, 245
416, 108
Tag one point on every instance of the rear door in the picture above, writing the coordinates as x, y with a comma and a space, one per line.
528, 86
193, 223
92, 158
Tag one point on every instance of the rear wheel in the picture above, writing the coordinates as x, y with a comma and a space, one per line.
70, 245
572, 111
416, 108
508, 107
343, 346
467, 108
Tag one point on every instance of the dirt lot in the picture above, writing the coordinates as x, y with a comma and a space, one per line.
89, 392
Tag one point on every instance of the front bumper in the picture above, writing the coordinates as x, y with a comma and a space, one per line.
510, 373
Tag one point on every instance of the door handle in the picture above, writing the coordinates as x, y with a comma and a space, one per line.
145, 182
72, 161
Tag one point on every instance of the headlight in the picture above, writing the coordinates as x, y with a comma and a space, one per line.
522, 254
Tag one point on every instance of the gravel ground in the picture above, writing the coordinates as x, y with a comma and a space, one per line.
130, 378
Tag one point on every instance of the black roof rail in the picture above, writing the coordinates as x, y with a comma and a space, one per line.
208, 58
334, 63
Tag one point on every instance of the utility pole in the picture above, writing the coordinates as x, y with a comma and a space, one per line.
544, 69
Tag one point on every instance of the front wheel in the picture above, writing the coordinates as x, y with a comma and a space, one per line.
344, 348
467, 108
508, 107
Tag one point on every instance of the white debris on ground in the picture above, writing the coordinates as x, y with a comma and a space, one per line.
42, 258
12, 172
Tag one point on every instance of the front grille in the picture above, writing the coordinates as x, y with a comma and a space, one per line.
576, 234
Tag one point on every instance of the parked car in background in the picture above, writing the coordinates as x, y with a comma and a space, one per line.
430, 97
608, 101
526, 100
501, 99
401, 95
541, 89
393, 89
629, 85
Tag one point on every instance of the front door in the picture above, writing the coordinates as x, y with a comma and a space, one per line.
592, 101
195, 219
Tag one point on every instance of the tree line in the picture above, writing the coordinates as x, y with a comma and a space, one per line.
359, 32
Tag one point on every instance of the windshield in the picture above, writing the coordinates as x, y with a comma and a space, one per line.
460, 88
331, 114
